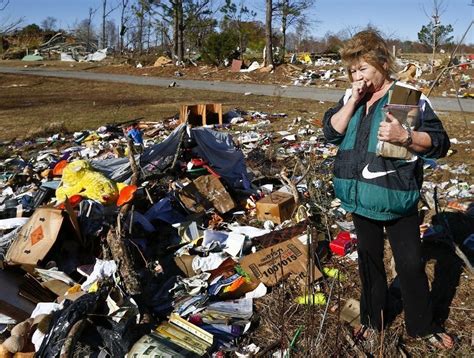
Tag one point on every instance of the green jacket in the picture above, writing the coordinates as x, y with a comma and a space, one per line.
372, 186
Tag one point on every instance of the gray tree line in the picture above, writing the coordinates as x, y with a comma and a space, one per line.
182, 26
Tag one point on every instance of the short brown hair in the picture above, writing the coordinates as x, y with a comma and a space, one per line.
369, 46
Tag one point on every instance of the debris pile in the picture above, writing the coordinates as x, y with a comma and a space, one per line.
185, 238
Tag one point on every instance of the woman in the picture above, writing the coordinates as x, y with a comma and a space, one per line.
382, 193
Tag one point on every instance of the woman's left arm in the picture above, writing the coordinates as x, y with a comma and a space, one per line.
393, 132
429, 139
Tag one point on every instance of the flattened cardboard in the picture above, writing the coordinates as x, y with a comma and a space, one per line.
276, 207
192, 199
205, 192
36, 237
270, 265
212, 188
56, 286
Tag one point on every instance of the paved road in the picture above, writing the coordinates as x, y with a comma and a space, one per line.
331, 95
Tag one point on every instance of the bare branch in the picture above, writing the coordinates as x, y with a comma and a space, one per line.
8, 27
4, 4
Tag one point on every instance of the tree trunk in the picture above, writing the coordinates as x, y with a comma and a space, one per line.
148, 34
104, 17
180, 31
140, 31
122, 24
284, 20
268, 34
241, 46
175, 28
434, 49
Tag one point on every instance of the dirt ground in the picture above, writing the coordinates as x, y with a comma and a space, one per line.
34, 107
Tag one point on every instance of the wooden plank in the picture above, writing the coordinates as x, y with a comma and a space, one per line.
14, 312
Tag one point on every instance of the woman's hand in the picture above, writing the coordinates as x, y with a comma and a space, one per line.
392, 131
359, 89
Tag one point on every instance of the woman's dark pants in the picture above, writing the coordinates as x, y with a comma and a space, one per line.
404, 238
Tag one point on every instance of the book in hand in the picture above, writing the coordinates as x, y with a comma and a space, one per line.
403, 105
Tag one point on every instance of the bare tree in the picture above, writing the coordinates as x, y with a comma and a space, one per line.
140, 14
183, 13
142, 11
171, 12
163, 23
112, 34
434, 15
7, 25
290, 11
348, 31
49, 24
300, 29
89, 28
84, 31
106, 11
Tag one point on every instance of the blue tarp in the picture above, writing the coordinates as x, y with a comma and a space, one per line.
216, 148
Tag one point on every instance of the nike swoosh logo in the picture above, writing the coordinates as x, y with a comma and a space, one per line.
367, 174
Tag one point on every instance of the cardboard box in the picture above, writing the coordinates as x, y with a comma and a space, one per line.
38, 235
277, 207
287, 259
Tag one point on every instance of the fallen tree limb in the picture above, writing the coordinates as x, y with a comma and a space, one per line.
116, 240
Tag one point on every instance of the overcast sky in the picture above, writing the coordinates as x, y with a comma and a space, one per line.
401, 18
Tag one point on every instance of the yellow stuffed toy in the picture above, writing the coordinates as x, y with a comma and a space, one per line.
78, 177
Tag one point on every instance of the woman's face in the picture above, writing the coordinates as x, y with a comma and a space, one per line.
363, 71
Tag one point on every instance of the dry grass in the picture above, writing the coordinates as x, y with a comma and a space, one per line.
28, 104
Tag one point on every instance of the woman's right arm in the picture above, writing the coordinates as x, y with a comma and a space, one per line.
336, 119
340, 119
332, 135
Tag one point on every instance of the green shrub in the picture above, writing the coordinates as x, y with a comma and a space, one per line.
220, 46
